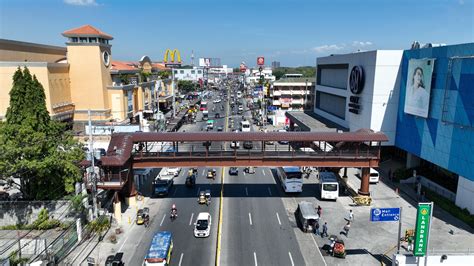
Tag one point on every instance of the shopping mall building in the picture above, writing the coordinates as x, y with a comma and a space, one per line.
82, 77
423, 99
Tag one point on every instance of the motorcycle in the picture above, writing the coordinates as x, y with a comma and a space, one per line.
173, 215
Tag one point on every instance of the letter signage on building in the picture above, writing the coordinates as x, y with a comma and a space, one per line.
423, 219
356, 85
418, 87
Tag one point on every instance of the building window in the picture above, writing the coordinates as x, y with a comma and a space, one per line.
92, 40
193, 72
82, 39
73, 39
130, 101
181, 72
176, 71
199, 72
330, 103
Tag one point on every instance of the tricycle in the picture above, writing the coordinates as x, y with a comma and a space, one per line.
204, 197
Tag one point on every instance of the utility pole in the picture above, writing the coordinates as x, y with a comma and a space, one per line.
173, 92
92, 173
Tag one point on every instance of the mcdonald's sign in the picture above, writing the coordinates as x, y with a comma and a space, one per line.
172, 54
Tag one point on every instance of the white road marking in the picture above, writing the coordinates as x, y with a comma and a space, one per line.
291, 258
181, 259
246, 191
269, 191
199, 189
191, 220
255, 258
278, 217
317, 247
125, 241
174, 193
250, 218
164, 215
263, 170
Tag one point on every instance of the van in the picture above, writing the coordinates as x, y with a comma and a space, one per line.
306, 216
374, 176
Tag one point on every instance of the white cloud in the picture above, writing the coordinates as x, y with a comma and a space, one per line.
81, 2
361, 44
328, 48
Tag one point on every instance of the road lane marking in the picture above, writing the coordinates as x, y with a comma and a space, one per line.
263, 170
164, 215
317, 247
246, 191
278, 217
255, 258
175, 190
181, 259
291, 258
250, 218
269, 191
191, 220
199, 189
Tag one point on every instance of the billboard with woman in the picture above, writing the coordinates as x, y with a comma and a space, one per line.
418, 87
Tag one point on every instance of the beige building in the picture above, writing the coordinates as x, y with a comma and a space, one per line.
82, 77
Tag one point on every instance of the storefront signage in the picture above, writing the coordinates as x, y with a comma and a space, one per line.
356, 80
260, 60
172, 54
422, 228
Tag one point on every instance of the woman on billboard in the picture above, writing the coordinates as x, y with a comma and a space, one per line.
419, 96
418, 87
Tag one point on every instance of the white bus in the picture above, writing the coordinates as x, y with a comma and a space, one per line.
329, 186
291, 178
245, 126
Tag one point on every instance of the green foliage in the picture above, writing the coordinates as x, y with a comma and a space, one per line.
43, 222
77, 205
144, 76
15, 260
100, 224
186, 86
449, 206
164, 74
307, 71
35, 148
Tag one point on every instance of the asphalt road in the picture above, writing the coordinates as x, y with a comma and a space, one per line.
256, 228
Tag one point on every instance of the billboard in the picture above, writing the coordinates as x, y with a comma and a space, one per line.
260, 61
209, 62
418, 87
172, 54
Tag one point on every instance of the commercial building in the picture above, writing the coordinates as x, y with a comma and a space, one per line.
421, 99
275, 64
81, 77
252, 76
293, 92
192, 74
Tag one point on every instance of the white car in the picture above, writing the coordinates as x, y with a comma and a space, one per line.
202, 226
174, 171
217, 100
374, 176
235, 144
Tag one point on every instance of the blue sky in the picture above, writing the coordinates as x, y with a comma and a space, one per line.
294, 32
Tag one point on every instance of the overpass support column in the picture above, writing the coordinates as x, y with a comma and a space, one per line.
130, 191
364, 183
117, 208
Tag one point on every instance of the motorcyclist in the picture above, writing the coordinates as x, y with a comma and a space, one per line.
174, 210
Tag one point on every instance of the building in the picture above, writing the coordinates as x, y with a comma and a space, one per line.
373, 101
81, 76
252, 76
293, 92
275, 64
192, 74
421, 99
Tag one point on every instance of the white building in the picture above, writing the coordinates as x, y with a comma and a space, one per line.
372, 102
253, 75
291, 93
192, 74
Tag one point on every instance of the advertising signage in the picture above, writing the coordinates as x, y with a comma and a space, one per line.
260, 61
423, 219
418, 87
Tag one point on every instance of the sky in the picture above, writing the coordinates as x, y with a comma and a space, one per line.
293, 32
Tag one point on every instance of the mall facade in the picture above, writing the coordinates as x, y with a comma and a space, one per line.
82, 76
422, 99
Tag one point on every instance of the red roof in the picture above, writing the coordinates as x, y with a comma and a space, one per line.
160, 66
122, 65
86, 30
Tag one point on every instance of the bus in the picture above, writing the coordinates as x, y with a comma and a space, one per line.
329, 186
291, 179
160, 249
245, 126
203, 106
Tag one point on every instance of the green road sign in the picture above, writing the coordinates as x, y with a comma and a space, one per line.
422, 229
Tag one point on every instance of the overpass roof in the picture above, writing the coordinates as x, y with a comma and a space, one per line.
121, 144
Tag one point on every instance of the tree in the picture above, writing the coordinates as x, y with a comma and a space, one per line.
186, 86
164, 74
35, 148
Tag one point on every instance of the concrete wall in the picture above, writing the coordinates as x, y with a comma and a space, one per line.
465, 192
14, 212
451, 260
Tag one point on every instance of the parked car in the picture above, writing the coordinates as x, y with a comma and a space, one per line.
249, 170
115, 260
233, 171
248, 145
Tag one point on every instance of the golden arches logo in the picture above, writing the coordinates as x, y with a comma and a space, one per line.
172, 54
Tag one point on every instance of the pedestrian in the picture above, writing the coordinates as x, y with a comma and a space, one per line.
346, 228
325, 229
350, 216
316, 228
319, 211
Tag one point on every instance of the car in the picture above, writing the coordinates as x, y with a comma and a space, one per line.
248, 145
174, 171
140, 217
233, 171
202, 226
115, 260
235, 145
190, 180
217, 115
220, 128
217, 100
162, 187
249, 170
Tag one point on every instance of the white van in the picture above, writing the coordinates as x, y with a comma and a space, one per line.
374, 176
245, 126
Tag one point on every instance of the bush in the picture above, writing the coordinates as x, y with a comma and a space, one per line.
100, 224
449, 206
